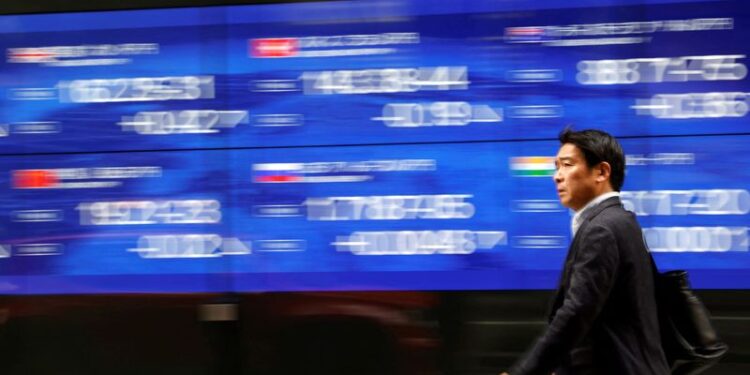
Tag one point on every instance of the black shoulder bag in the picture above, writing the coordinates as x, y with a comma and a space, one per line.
690, 341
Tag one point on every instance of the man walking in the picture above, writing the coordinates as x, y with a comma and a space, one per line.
604, 316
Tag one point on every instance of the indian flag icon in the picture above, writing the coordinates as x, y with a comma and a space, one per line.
532, 166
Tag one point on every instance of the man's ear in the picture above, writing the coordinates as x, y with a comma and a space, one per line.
603, 171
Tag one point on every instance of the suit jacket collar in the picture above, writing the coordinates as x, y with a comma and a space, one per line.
579, 215
596, 210
592, 213
573, 249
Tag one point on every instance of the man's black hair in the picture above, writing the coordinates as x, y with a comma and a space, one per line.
598, 146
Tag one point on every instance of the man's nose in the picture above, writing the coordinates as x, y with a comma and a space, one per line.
557, 177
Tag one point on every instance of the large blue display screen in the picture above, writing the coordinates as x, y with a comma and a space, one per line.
364, 145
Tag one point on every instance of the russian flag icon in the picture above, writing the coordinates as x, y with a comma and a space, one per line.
277, 172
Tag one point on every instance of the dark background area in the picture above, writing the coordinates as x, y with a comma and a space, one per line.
467, 333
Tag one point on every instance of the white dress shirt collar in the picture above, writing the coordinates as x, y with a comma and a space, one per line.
578, 217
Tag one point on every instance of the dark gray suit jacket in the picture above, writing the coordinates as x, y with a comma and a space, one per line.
604, 318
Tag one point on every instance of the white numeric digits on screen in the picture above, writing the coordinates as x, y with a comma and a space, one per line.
171, 246
687, 202
179, 246
390, 207
661, 69
696, 239
694, 105
372, 81
424, 242
136, 89
182, 122
192, 211
413, 115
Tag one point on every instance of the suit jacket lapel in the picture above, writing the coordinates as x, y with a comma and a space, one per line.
592, 213
574, 248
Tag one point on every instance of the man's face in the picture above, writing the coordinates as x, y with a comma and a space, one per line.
575, 181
